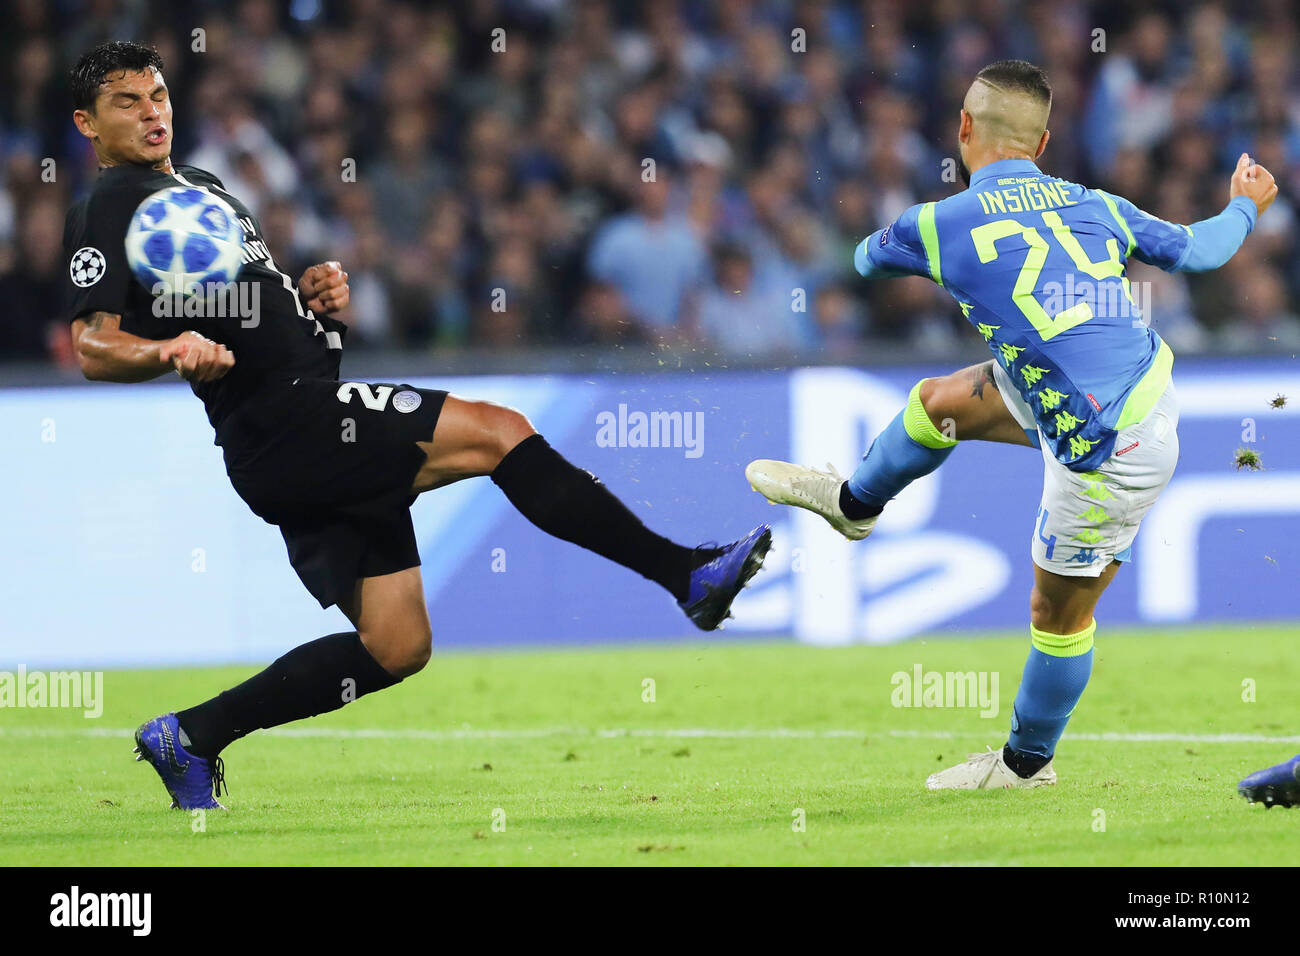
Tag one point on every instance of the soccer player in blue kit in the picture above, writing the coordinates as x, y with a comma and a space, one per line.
1079, 375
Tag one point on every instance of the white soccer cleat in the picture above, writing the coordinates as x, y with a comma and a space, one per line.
988, 771
782, 483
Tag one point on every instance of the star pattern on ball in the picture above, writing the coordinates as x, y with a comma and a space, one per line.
183, 237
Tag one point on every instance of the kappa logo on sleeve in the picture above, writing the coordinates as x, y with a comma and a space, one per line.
87, 267
884, 236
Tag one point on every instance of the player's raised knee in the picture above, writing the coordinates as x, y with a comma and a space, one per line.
417, 654
503, 427
942, 400
941, 397
400, 651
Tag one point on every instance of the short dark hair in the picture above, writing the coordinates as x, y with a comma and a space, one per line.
1020, 76
115, 56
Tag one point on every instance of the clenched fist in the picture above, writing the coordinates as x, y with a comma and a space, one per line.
195, 358
324, 287
1253, 181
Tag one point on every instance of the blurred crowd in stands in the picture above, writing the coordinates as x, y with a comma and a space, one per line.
532, 173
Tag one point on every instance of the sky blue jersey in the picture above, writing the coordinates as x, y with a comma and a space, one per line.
1037, 265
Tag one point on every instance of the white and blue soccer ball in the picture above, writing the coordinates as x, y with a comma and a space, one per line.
182, 239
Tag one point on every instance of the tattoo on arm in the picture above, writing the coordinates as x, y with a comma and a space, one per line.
980, 376
96, 321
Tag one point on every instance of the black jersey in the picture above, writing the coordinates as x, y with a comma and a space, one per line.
278, 343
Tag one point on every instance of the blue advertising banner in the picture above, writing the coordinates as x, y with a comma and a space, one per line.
125, 545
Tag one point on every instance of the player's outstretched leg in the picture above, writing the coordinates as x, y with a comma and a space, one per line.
1062, 629
481, 438
392, 640
916, 442
1278, 786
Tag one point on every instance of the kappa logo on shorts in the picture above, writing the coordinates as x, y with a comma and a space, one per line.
87, 266
406, 401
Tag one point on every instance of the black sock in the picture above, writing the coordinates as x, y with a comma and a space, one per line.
855, 509
1023, 764
565, 501
311, 679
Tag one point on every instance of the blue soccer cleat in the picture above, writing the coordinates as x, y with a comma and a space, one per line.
194, 782
1277, 786
716, 582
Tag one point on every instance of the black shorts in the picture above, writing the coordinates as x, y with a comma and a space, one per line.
331, 464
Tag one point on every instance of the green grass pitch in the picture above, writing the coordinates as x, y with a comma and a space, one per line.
555, 758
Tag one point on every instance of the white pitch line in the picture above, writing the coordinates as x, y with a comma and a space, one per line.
744, 733
1129, 738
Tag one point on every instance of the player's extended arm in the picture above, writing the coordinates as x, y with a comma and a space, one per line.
1216, 240
108, 354
1203, 245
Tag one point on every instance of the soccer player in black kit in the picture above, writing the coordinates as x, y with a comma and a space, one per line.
272, 393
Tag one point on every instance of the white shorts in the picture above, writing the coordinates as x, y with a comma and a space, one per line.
1088, 519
